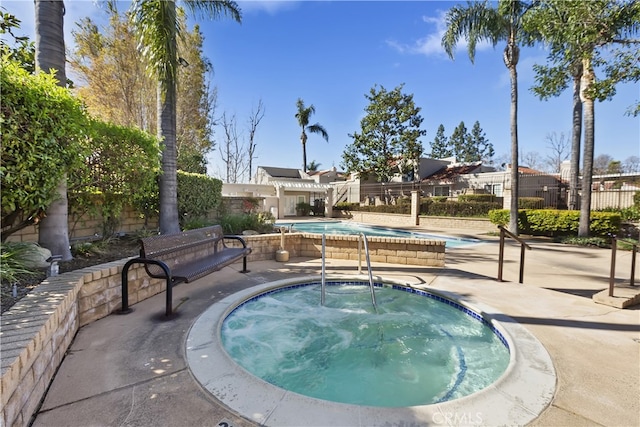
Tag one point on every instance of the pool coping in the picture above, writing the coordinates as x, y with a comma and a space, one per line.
525, 389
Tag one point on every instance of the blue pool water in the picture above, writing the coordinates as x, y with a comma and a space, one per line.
342, 227
418, 348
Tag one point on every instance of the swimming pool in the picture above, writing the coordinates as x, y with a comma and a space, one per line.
345, 227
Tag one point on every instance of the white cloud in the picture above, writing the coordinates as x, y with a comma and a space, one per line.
269, 6
431, 44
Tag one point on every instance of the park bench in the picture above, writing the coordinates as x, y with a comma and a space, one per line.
184, 257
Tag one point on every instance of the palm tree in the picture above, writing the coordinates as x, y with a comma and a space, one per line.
313, 166
479, 22
53, 232
303, 115
157, 27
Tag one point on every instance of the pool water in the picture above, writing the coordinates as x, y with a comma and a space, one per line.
342, 227
419, 349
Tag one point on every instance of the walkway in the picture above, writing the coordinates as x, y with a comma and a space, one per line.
130, 370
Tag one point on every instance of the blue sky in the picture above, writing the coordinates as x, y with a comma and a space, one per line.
331, 53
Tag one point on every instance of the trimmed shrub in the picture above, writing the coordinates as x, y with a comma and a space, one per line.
487, 198
458, 209
197, 195
530, 203
551, 222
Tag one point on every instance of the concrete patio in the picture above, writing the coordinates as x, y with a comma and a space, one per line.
131, 369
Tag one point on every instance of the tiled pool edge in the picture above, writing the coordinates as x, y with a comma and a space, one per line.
518, 402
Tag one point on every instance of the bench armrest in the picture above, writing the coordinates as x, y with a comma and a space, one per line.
234, 237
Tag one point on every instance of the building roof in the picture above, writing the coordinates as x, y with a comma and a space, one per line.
300, 185
281, 172
451, 171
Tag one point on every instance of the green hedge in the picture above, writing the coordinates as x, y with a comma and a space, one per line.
197, 195
456, 209
530, 203
477, 198
551, 222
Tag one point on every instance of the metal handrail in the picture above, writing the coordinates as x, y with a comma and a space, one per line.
366, 253
614, 248
323, 282
523, 246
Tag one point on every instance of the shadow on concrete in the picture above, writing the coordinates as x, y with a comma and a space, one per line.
567, 323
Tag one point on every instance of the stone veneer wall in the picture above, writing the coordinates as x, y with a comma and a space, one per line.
36, 332
400, 220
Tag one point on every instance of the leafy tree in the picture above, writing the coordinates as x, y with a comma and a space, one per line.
440, 147
597, 34
23, 50
389, 138
303, 115
116, 87
480, 22
458, 141
479, 145
42, 129
157, 27
53, 232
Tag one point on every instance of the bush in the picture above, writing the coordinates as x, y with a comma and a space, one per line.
347, 206
12, 261
487, 198
122, 164
197, 196
551, 222
42, 127
262, 222
530, 203
457, 209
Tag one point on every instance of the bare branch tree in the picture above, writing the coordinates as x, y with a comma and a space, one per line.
232, 149
631, 164
560, 148
254, 120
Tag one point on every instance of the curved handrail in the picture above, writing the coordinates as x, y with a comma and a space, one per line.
323, 283
523, 246
366, 254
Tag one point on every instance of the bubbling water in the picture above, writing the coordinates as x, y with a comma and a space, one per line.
417, 350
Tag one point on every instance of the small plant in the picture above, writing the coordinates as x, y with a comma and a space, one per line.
12, 261
303, 208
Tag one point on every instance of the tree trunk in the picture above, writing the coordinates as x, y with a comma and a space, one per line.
589, 145
511, 57
303, 140
574, 168
168, 220
53, 232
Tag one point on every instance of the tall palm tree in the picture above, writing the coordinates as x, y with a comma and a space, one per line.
303, 115
479, 22
53, 232
157, 26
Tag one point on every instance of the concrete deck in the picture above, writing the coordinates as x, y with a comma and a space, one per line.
132, 370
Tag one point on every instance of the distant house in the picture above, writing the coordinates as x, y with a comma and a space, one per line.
284, 188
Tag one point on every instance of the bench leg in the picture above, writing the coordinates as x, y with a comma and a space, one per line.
169, 294
244, 265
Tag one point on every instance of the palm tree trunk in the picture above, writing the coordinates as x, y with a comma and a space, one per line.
511, 57
303, 140
574, 168
168, 220
589, 144
53, 232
